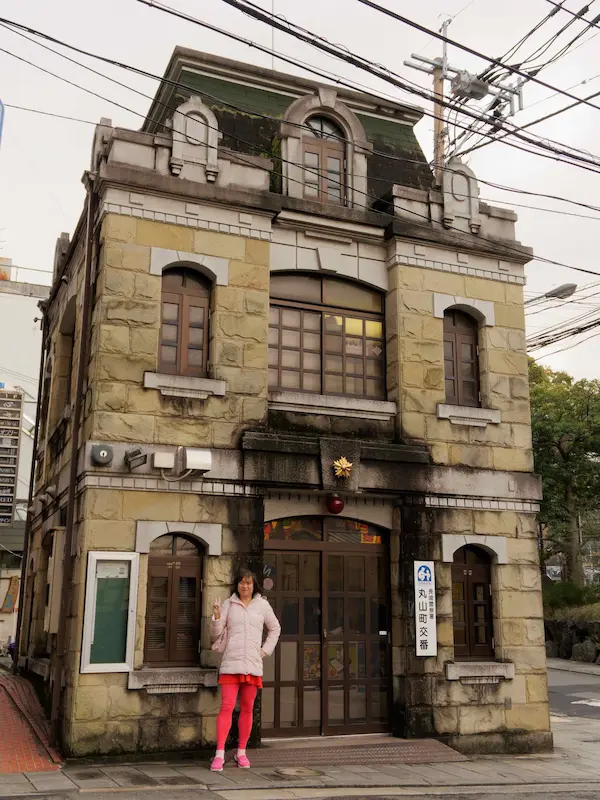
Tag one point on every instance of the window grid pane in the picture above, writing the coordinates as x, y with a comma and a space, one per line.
353, 363
184, 334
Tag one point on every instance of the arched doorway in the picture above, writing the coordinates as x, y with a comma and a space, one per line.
328, 580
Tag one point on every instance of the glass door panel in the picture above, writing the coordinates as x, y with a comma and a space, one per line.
330, 673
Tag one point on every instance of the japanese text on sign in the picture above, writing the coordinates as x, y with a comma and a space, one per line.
11, 405
425, 615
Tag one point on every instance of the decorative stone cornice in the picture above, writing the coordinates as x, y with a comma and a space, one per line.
457, 269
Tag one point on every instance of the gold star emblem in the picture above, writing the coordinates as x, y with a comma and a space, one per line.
342, 467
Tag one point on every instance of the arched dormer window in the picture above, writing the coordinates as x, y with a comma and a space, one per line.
461, 359
324, 159
326, 336
326, 129
184, 323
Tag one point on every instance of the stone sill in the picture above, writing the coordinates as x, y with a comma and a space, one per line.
172, 680
327, 405
40, 666
184, 386
467, 415
474, 672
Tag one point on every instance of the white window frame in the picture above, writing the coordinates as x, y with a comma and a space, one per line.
90, 611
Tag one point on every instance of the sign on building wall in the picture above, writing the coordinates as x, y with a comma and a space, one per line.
11, 410
12, 593
425, 614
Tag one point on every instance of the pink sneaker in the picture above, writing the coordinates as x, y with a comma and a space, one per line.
242, 761
216, 765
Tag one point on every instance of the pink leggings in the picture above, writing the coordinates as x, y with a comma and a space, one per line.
229, 693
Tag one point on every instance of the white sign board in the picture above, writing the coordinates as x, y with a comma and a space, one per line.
11, 407
425, 615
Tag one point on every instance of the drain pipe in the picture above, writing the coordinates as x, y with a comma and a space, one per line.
29, 518
74, 461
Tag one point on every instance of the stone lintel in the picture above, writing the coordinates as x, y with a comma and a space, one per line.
480, 671
208, 533
214, 268
467, 415
172, 680
494, 545
482, 310
184, 386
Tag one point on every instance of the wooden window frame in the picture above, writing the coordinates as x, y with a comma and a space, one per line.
175, 566
184, 300
324, 311
325, 145
469, 576
90, 611
456, 336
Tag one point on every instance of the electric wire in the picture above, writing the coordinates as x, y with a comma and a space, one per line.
241, 109
458, 235
388, 76
562, 7
447, 40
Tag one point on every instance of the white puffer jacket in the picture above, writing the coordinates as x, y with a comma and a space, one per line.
245, 626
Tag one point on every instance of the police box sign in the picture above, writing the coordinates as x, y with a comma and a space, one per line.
425, 614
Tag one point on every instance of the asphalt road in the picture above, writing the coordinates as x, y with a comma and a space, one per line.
574, 694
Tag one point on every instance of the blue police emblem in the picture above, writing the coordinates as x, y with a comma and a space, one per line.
424, 574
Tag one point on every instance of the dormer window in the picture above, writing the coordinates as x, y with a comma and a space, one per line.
324, 161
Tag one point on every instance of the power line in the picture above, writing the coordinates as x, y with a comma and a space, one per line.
388, 76
447, 40
221, 101
577, 15
532, 123
458, 235
484, 199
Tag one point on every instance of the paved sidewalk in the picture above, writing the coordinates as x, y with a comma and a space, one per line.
575, 763
563, 665
24, 739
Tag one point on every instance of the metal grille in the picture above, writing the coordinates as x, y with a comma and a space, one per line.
418, 751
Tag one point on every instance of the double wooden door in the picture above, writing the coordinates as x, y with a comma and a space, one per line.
330, 671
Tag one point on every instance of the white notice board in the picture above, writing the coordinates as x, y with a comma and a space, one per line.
425, 614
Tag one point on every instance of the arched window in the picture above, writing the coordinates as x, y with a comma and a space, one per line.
174, 605
461, 354
326, 336
323, 155
472, 604
185, 317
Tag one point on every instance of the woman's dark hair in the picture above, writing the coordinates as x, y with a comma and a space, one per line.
246, 572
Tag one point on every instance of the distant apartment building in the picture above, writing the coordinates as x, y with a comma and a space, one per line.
272, 340
20, 351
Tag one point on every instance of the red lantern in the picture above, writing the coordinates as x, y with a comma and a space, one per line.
335, 504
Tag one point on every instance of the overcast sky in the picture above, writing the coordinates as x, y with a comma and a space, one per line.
42, 159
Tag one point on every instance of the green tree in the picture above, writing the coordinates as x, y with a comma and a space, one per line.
565, 418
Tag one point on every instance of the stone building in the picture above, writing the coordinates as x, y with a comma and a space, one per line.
278, 344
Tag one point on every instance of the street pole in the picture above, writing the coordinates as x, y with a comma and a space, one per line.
440, 73
438, 124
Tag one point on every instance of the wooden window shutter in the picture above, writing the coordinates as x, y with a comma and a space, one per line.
461, 359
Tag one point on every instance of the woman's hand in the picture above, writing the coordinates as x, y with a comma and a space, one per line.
262, 653
217, 608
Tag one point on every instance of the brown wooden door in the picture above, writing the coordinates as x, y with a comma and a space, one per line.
331, 670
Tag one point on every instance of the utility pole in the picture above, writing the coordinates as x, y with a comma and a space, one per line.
464, 86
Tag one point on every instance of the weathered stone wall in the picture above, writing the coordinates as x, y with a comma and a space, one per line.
416, 369
512, 715
103, 715
128, 323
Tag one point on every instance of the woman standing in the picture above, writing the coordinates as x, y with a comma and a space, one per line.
237, 632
